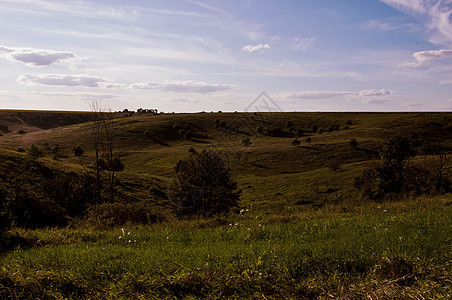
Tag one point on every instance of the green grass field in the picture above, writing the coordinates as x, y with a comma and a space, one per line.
302, 230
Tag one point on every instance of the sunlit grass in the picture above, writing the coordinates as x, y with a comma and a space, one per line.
244, 257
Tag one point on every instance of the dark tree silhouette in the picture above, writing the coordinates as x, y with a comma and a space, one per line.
203, 185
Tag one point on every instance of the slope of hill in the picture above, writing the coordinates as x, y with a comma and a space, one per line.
272, 173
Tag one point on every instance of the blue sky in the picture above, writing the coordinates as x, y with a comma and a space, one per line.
195, 55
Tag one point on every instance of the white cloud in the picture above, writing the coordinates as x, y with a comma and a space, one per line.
255, 48
424, 57
37, 57
188, 86
62, 80
435, 14
373, 92
336, 94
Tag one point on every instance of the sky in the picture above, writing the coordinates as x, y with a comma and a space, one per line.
197, 55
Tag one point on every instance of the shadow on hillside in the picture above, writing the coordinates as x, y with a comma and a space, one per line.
199, 141
310, 148
197, 127
258, 165
10, 242
159, 142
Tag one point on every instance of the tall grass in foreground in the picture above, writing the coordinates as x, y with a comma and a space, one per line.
381, 255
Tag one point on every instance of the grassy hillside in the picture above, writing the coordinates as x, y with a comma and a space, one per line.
272, 173
302, 230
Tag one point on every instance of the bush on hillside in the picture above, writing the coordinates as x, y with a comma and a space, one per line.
397, 175
203, 185
246, 141
78, 151
49, 202
4, 218
353, 143
119, 213
35, 152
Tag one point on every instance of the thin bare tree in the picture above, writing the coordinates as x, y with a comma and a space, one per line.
103, 134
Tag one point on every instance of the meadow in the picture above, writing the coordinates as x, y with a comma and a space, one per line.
301, 229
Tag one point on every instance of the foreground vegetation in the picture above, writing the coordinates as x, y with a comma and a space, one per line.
330, 207
383, 255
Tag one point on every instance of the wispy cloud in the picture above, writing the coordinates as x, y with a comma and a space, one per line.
188, 86
435, 13
424, 57
75, 95
37, 57
63, 80
303, 44
83, 9
255, 48
374, 101
378, 25
410, 105
316, 95
336, 94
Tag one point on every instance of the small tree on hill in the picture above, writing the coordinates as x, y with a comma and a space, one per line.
35, 152
391, 172
203, 185
390, 176
103, 136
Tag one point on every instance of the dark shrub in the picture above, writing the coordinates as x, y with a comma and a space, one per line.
78, 151
393, 154
300, 132
395, 175
188, 135
246, 142
4, 217
116, 165
119, 213
74, 193
29, 207
296, 142
203, 185
367, 183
